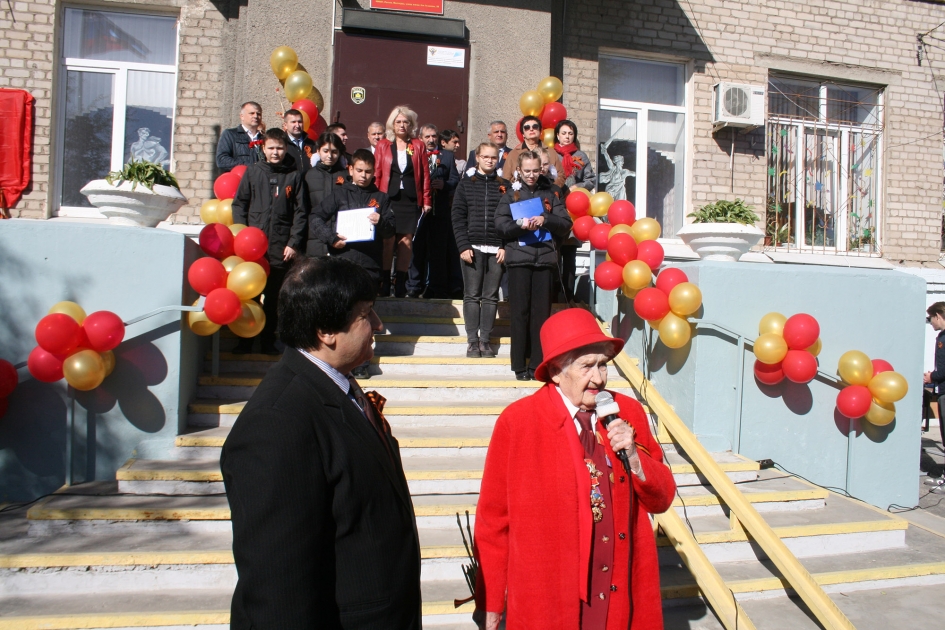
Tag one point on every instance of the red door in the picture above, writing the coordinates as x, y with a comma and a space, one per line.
387, 72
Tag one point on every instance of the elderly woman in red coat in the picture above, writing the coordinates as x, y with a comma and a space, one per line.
562, 535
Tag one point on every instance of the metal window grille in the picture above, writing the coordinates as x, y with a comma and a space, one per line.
824, 143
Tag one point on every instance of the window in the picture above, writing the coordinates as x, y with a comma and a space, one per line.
641, 131
824, 143
119, 82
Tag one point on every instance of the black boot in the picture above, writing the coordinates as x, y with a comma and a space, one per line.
385, 284
400, 284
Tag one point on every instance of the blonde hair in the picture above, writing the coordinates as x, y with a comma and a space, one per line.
491, 145
397, 111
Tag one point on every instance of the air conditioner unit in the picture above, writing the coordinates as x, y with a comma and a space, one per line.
738, 105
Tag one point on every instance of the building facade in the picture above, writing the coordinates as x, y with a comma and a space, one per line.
843, 156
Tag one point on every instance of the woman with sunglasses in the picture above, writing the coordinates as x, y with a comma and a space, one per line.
402, 172
530, 128
531, 259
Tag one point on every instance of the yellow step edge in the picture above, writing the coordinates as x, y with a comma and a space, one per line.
116, 620
419, 319
217, 441
389, 410
114, 559
242, 381
450, 509
448, 608
774, 496
459, 339
795, 531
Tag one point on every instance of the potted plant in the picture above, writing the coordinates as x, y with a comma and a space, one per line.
141, 194
723, 230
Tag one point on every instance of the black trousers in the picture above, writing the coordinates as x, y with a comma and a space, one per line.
530, 296
568, 270
271, 303
435, 264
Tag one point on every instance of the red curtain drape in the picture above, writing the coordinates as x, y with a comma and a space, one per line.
16, 145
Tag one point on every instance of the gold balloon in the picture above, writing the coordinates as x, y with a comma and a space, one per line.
637, 275
816, 348
247, 280
582, 190
654, 324
284, 61
645, 229
881, 413
316, 97
675, 332
772, 323
629, 292
198, 322
231, 262
620, 229
531, 103
251, 321
770, 348
71, 309
306, 121
855, 368
548, 138
225, 212
888, 387
84, 370
298, 85
685, 299
108, 358
550, 89
236, 228
600, 204
208, 211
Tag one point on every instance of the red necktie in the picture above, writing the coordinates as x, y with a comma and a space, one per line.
588, 439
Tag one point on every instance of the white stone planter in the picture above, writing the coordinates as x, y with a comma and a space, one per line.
720, 241
140, 207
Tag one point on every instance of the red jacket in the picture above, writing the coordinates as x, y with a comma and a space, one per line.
534, 524
421, 170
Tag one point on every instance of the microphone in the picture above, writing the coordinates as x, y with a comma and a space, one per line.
607, 412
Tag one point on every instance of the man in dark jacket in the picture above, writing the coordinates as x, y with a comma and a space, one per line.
324, 534
435, 258
241, 144
936, 378
300, 148
499, 135
320, 180
272, 197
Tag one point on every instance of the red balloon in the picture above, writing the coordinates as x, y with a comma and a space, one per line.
251, 243
621, 212
768, 373
880, 365
8, 378
307, 106
651, 304
226, 185
854, 401
622, 248
801, 331
44, 366
799, 366
206, 274
577, 204
518, 131
600, 235
608, 275
105, 330
669, 278
222, 306
239, 170
319, 125
58, 333
216, 240
264, 263
582, 227
651, 253
552, 114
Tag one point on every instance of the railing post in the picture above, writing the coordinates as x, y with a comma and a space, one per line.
739, 390
215, 355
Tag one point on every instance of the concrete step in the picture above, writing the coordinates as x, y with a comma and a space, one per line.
432, 345
387, 307
460, 389
422, 325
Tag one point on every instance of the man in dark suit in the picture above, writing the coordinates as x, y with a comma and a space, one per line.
300, 147
324, 534
241, 144
432, 272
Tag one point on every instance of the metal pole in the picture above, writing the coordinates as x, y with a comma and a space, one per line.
851, 435
737, 441
70, 435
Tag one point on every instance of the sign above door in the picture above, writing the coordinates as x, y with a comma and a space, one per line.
414, 6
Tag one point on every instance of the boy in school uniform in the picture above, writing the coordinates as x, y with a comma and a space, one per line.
271, 196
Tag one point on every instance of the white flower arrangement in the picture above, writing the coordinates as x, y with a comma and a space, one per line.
516, 185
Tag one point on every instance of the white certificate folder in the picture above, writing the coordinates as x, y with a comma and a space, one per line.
354, 225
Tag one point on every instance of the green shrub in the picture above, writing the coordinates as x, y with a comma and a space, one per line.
723, 211
145, 173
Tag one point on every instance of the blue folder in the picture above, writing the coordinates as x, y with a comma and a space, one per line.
525, 210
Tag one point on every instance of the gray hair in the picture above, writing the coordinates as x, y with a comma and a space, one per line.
562, 362
429, 126
497, 122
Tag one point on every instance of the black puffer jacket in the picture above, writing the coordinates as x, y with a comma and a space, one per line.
557, 221
350, 197
474, 206
233, 149
272, 198
320, 180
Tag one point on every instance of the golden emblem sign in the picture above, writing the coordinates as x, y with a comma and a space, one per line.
357, 95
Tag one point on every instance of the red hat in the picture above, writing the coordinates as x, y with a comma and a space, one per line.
568, 330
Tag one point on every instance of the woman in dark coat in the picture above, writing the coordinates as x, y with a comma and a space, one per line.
320, 180
578, 172
532, 264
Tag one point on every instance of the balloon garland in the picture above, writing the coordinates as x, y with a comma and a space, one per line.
787, 347
872, 390
233, 273
542, 103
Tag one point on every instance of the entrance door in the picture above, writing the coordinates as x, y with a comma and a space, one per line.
387, 72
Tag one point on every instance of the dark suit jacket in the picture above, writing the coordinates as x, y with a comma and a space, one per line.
302, 161
324, 534
445, 170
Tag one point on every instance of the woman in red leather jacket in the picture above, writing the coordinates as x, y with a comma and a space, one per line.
402, 171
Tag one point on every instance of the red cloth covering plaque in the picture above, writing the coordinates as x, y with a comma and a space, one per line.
416, 6
16, 145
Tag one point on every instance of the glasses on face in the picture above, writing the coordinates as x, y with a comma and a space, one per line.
530, 127
928, 319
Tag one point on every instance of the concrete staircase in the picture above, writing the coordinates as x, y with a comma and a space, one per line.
153, 548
